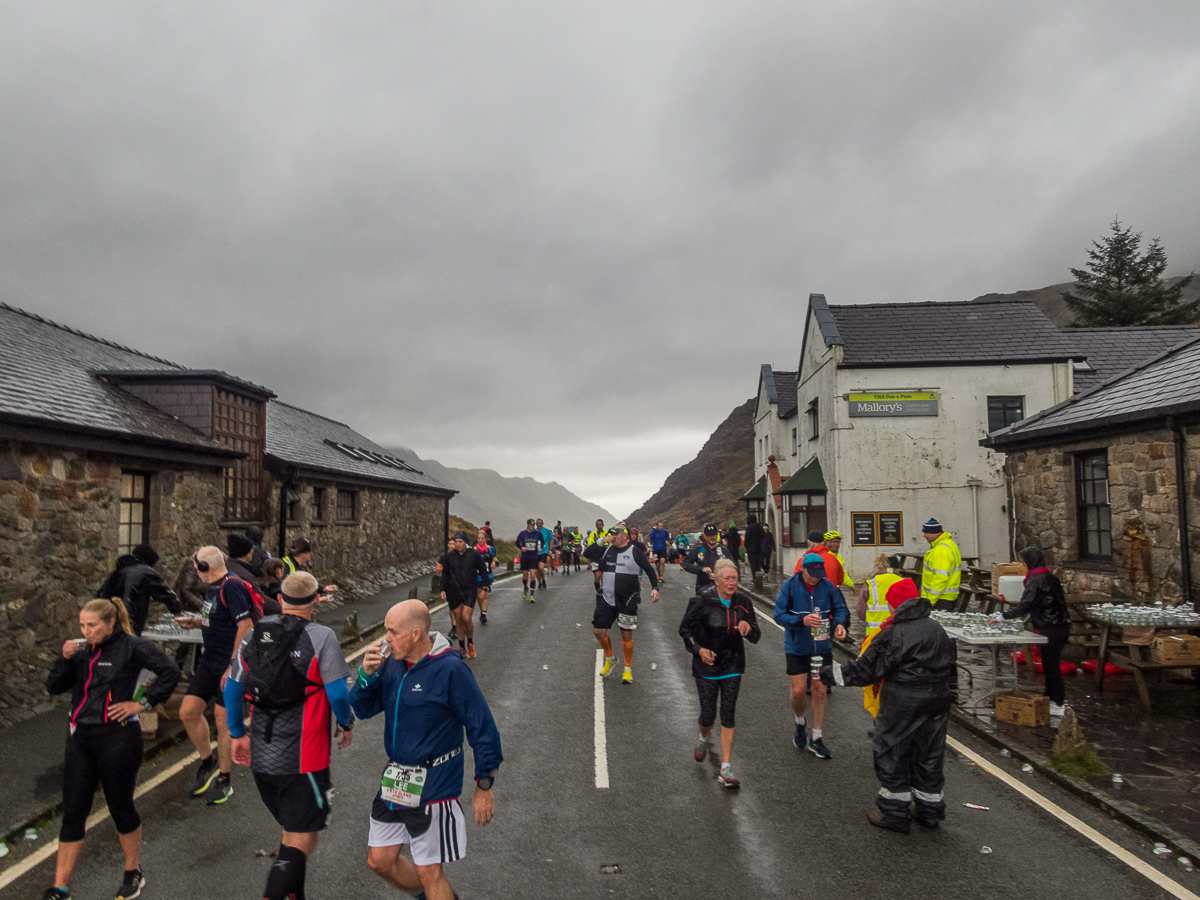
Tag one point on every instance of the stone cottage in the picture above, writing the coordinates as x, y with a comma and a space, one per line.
103, 447
1106, 483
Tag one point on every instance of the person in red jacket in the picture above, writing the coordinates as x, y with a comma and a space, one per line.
833, 568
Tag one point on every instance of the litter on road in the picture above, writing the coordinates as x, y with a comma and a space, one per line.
31, 834
1027, 768
976, 806
986, 850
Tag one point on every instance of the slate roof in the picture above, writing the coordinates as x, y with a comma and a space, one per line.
315, 443
878, 335
808, 477
785, 385
1110, 351
1167, 385
47, 380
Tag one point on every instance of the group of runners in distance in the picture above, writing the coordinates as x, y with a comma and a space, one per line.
292, 671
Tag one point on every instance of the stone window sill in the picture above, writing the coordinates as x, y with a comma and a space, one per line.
1092, 565
346, 522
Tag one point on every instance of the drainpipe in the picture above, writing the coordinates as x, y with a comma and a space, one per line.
1185, 561
975, 484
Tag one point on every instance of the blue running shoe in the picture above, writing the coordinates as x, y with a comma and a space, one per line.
818, 748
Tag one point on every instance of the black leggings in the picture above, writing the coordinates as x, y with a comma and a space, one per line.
1051, 659
708, 690
108, 755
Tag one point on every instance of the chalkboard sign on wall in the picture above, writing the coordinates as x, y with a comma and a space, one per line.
863, 529
891, 529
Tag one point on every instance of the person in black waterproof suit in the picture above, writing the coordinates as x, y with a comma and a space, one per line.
1045, 603
714, 628
753, 542
915, 659
136, 582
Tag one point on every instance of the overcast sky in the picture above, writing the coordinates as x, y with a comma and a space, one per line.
558, 239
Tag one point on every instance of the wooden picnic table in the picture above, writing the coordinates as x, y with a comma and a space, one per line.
1137, 658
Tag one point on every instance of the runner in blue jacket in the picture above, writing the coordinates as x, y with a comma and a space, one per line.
810, 608
428, 697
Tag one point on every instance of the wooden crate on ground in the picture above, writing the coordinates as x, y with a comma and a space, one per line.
1022, 708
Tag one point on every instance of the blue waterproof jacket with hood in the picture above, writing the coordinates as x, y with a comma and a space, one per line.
426, 707
795, 601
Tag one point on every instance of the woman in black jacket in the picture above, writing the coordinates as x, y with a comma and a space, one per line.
1045, 603
713, 630
104, 746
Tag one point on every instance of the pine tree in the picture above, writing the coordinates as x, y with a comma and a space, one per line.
1121, 288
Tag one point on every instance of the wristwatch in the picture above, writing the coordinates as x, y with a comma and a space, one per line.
485, 783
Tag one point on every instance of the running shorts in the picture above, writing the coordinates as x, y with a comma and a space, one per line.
299, 803
206, 684
454, 601
543, 557
436, 833
802, 665
606, 616
660, 554
528, 563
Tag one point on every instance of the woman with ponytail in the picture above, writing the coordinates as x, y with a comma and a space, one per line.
104, 744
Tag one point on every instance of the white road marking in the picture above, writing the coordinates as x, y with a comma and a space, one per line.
1173, 887
772, 621
47, 850
601, 737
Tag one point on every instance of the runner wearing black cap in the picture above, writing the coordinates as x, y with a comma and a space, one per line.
463, 575
530, 543
619, 595
704, 556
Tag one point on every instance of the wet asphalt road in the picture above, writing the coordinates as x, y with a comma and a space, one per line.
797, 827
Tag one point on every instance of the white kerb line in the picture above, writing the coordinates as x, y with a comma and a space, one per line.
1173, 887
601, 737
47, 850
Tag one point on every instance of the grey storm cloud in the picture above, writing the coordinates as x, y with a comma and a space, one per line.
558, 239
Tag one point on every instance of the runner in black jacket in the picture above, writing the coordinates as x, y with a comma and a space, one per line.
714, 630
704, 556
463, 571
915, 659
105, 741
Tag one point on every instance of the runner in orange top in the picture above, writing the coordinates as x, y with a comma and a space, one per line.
833, 568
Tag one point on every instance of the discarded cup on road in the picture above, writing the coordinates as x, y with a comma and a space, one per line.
986, 850
1117, 779
1186, 864
3, 850
1027, 768
1161, 849
545, 667
1006, 753
31, 834
654, 665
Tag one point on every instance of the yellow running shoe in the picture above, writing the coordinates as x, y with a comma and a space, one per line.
627, 678
607, 667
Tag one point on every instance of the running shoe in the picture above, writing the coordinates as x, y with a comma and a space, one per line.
205, 777
727, 779
1057, 711
701, 751
470, 650
817, 747
525, 594
453, 635
483, 618
609, 662
55, 894
627, 678
221, 790
132, 885
800, 739
532, 598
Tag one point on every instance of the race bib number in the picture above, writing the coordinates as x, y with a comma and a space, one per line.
206, 613
402, 785
626, 622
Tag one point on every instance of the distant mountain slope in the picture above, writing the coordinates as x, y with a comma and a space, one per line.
709, 488
1049, 299
485, 495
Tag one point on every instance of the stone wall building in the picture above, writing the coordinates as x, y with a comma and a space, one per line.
1107, 483
103, 448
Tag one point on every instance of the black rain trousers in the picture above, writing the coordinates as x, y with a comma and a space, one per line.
910, 748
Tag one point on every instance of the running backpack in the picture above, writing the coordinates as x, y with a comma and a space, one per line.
272, 682
256, 599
